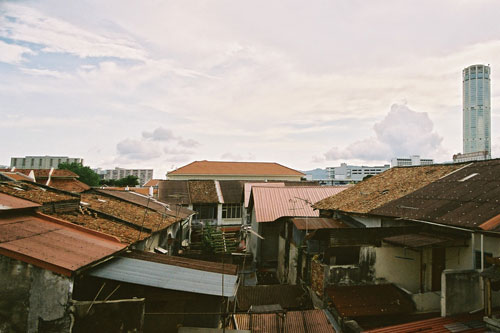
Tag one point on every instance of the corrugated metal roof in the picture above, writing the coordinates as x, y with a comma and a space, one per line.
315, 223
271, 203
248, 189
53, 244
8, 202
369, 300
294, 322
418, 240
235, 168
164, 276
385, 187
458, 199
465, 324
207, 266
290, 297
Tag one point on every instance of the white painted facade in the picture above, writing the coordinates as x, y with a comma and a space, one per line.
354, 173
143, 175
42, 162
413, 160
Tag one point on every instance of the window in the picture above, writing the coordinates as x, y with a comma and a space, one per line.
205, 212
478, 259
40, 162
231, 211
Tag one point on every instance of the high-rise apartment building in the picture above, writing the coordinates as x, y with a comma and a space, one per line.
143, 175
476, 109
42, 162
345, 174
413, 160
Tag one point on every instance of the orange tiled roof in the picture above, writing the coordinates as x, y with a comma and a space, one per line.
152, 182
235, 168
70, 185
44, 173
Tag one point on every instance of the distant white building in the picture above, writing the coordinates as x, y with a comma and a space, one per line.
353, 173
413, 160
42, 162
475, 156
144, 175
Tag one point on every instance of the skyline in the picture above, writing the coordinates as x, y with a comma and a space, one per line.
159, 85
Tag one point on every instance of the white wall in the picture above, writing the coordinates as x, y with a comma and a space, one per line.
390, 265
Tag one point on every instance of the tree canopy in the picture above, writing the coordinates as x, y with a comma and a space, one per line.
127, 181
86, 174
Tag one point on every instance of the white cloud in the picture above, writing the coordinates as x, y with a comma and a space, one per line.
402, 132
55, 35
136, 150
159, 134
13, 54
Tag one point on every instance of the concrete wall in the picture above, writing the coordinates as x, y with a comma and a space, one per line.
368, 221
461, 292
281, 272
292, 264
391, 266
31, 296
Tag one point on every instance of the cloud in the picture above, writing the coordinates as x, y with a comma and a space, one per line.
56, 35
402, 132
13, 54
237, 157
188, 143
159, 134
136, 150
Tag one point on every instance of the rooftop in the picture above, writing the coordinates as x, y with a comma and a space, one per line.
271, 203
463, 324
466, 198
290, 297
294, 322
385, 187
315, 223
235, 168
369, 300
53, 244
35, 192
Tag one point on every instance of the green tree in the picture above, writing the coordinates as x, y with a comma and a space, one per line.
127, 181
86, 174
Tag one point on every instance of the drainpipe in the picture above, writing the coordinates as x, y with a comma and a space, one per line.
482, 252
473, 249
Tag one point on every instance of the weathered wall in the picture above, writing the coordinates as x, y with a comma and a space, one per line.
31, 298
397, 265
292, 264
281, 273
109, 316
361, 273
461, 292
318, 277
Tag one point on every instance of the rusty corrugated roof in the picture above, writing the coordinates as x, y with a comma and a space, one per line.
174, 191
8, 202
467, 198
294, 322
232, 190
369, 300
463, 324
235, 169
315, 223
271, 203
385, 187
53, 244
290, 297
422, 239
207, 266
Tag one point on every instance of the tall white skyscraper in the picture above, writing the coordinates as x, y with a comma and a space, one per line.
476, 109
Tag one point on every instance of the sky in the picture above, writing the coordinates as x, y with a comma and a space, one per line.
159, 84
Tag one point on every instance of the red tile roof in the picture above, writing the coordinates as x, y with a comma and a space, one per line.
53, 244
236, 169
271, 203
70, 185
15, 176
463, 324
294, 322
152, 182
34, 192
44, 173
